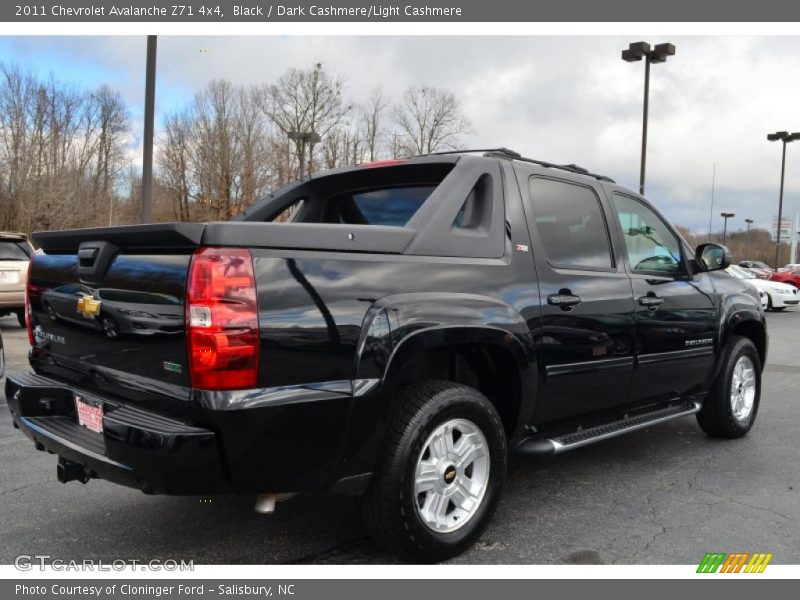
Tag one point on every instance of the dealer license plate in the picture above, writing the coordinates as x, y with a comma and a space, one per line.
89, 416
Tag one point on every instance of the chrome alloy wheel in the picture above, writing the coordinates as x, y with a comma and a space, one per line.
743, 389
451, 476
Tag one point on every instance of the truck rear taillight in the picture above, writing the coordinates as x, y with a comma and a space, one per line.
222, 319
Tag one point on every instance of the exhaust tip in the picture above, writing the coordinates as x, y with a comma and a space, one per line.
265, 503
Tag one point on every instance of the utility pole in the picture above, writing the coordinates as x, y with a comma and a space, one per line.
747, 243
711, 212
786, 138
726, 216
146, 215
304, 138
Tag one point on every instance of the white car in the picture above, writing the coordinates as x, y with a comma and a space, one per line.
778, 295
789, 267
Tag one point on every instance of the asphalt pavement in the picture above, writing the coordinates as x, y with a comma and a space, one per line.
664, 495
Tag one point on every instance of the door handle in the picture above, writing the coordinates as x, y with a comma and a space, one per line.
651, 301
564, 299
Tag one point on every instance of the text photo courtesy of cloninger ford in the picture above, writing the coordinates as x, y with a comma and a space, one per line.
399, 299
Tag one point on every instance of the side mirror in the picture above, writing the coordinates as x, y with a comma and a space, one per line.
713, 257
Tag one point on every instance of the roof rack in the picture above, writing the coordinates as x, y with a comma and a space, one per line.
511, 154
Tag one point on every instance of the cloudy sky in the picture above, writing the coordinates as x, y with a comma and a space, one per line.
561, 99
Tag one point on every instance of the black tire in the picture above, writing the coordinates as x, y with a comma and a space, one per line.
389, 506
21, 317
769, 303
716, 417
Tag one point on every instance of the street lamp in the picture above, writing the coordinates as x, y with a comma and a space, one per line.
636, 52
726, 216
747, 243
303, 137
146, 209
785, 137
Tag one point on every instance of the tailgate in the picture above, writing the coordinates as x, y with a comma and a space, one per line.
118, 326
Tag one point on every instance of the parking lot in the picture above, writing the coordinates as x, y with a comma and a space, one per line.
665, 495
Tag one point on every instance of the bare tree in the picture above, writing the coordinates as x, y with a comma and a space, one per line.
343, 146
429, 120
304, 102
112, 117
759, 245
173, 161
254, 169
216, 150
216, 157
65, 152
61, 152
372, 121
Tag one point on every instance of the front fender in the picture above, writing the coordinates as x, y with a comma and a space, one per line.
740, 312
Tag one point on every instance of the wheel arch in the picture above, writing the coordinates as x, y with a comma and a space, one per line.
756, 332
489, 359
750, 325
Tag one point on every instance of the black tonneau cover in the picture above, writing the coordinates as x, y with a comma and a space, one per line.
158, 236
177, 237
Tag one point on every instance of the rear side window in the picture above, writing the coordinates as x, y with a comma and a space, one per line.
369, 195
12, 250
288, 214
570, 223
389, 206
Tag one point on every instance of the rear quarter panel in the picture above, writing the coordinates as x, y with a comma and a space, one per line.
341, 320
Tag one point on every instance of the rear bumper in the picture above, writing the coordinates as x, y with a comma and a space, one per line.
248, 441
137, 448
12, 299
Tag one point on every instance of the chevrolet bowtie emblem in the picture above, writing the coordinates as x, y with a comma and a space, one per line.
88, 306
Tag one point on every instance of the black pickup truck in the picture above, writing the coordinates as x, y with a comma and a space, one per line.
392, 331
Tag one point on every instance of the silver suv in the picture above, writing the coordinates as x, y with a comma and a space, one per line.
15, 255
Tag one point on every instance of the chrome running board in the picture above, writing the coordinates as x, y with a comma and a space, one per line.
583, 437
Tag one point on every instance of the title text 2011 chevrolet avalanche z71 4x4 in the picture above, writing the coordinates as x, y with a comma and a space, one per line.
413, 323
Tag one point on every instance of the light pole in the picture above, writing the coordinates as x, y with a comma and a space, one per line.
786, 138
301, 138
146, 210
747, 243
636, 52
726, 216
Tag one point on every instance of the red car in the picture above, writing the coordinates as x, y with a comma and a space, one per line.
757, 268
791, 277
